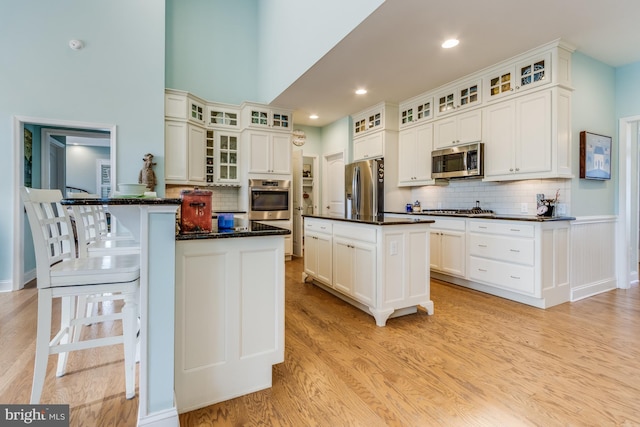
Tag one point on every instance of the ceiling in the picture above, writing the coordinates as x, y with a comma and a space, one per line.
395, 53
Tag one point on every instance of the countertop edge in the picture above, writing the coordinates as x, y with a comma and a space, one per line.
382, 222
532, 218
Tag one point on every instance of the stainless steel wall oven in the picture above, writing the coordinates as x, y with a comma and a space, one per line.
269, 199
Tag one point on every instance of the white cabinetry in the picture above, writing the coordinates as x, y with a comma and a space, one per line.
229, 323
318, 250
183, 105
223, 116
269, 152
414, 155
526, 262
369, 146
461, 96
374, 130
379, 269
516, 77
261, 116
460, 128
184, 153
448, 248
528, 137
416, 110
354, 263
222, 157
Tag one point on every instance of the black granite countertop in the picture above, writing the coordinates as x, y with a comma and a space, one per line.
242, 229
534, 218
376, 220
121, 201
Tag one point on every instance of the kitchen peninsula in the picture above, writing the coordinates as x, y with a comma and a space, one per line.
229, 312
376, 264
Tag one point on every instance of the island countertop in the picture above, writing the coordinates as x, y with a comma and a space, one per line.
375, 220
243, 228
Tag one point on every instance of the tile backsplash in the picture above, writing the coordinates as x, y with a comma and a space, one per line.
502, 197
222, 198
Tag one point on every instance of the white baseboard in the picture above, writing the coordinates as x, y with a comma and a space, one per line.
592, 289
166, 418
6, 286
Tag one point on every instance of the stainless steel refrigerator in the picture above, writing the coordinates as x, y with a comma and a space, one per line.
364, 189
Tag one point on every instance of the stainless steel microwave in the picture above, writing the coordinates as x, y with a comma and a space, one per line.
463, 161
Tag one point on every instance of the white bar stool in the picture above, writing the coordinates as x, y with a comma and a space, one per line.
61, 274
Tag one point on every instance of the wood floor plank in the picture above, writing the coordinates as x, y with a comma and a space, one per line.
479, 361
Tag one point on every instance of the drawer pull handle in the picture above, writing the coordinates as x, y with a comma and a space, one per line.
515, 277
482, 226
482, 246
514, 250
482, 269
515, 229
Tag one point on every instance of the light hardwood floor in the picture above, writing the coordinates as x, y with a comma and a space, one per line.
479, 361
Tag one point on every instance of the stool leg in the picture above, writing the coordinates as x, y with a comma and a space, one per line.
43, 335
129, 329
68, 312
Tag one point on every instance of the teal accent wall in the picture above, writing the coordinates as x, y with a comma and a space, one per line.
628, 90
593, 106
118, 78
212, 49
294, 35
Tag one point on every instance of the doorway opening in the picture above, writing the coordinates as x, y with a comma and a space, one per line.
28, 172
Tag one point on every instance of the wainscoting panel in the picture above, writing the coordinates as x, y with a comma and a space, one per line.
592, 256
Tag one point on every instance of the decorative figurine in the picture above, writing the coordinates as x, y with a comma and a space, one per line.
146, 175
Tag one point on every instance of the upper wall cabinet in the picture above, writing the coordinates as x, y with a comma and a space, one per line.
459, 97
527, 74
223, 116
261, 116
381, 116
416, 110
182, 105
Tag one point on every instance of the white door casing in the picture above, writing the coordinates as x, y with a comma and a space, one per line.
296, 159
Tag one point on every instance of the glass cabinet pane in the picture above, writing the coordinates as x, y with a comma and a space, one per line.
233, 143
424, 110
233, 172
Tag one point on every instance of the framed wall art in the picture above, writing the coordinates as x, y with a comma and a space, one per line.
28, 158
595, 156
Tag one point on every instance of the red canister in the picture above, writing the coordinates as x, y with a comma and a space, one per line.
195, 211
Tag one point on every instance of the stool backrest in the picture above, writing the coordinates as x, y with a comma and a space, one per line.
53, 239
87, 227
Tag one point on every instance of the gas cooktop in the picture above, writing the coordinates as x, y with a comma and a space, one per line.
460, 212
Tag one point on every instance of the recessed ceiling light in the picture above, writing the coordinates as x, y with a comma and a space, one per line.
313, 116
361, 91
450, 43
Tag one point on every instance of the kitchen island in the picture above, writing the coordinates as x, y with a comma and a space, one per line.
377, 264
229, 312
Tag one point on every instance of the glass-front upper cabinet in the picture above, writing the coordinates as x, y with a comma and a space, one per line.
223, 116
534, 72
525, 75
228, 157
457, 98
415, 110
259, 116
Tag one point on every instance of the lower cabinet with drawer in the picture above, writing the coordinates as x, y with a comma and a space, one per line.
525, 262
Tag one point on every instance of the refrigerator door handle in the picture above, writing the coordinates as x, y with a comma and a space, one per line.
356, 191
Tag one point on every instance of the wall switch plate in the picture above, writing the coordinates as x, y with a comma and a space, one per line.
523, 208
